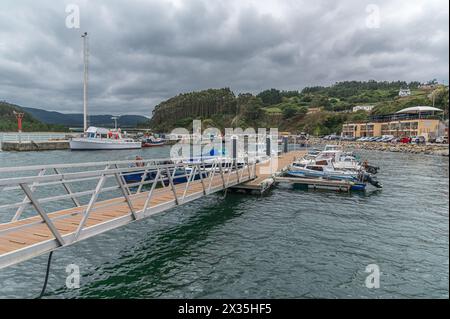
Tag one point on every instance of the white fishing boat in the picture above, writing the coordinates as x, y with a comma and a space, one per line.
99, 138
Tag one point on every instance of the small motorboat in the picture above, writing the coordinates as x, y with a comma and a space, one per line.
181, 175
319, 170
152, 141
326, 170
136, 177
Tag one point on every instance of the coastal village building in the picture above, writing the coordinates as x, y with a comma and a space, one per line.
366, 108
404, 92
414, 121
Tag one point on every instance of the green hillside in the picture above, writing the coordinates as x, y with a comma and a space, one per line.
8, 122
292, 110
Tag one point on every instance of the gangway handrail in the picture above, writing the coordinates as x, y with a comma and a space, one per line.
103, 163
54, 210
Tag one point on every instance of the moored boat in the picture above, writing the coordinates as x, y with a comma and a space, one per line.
99, 138
335, 164
153, 141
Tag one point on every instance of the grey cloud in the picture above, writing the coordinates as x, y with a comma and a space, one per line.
143, 52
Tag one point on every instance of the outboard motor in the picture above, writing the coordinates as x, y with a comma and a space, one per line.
372, 169
373, 181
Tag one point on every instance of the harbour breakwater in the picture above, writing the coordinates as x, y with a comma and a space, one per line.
429, 149
28, 146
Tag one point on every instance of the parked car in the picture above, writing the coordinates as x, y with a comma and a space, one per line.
442, 140
405, 140
387, 138
332, 137
418, 140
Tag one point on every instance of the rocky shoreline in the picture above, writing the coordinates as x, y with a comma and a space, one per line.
428, 149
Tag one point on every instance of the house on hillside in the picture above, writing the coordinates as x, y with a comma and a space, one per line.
366, 108
404, 92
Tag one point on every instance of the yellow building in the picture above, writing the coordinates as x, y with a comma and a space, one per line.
413, 121
423, 127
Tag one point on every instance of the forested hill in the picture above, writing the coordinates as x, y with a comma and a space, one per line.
8, 122
76, 119
316, 110
214, 105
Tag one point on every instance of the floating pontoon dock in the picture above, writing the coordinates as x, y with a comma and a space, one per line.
265, 180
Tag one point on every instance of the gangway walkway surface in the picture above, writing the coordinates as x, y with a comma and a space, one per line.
35, 226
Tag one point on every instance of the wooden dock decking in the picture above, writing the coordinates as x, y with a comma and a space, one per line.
263, 181
29, 237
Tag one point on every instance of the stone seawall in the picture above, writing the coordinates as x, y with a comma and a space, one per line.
430, 149
35, 146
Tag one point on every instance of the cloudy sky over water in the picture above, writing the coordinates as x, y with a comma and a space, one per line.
143, 52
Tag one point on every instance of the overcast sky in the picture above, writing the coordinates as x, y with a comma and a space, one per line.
143, 52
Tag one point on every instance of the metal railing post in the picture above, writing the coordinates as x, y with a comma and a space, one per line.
43, 214
221, 175
211, 175
67, 188
22, 207
191, 176
172, 185
150, 193
144, 176
201, 177
125, 194
92, 201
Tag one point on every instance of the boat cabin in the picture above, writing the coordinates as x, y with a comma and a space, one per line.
333, 148
103, 133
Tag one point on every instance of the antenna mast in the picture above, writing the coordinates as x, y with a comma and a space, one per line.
85, 79
115, 118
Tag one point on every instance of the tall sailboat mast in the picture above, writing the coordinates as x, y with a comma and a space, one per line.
85, 79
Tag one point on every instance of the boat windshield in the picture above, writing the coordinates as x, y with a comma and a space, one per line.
333, 148
315, 168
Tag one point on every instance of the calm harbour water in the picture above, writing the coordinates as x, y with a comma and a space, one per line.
288, 244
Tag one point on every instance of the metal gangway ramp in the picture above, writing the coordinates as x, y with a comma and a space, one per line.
46, 207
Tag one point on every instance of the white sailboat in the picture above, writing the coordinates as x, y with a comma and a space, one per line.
98, 138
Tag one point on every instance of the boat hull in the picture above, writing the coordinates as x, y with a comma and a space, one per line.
152, 144
313, 174
178, 178
86, 144
355, 185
